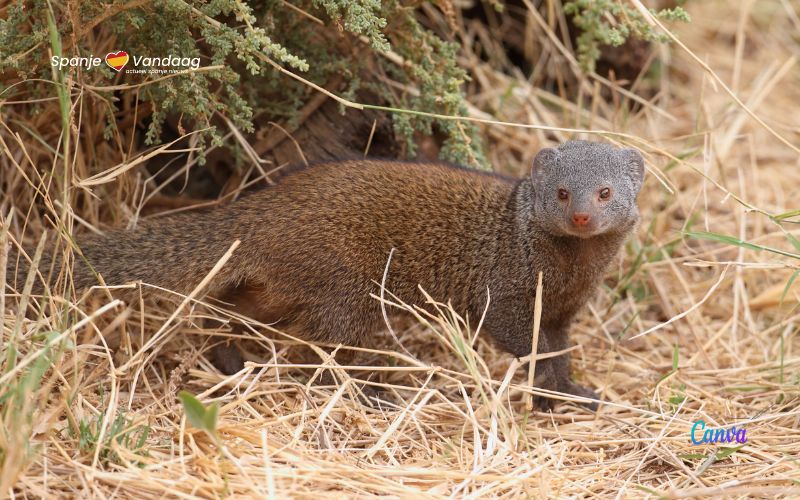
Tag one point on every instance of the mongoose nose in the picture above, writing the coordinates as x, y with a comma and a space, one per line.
580, 218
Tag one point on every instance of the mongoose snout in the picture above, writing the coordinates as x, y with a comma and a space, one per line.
581, 218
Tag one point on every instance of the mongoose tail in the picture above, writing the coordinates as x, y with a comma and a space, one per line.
175, 253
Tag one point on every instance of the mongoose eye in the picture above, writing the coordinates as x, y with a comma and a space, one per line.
563, 194
605, 194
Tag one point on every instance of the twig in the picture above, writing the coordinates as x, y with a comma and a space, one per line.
537, 319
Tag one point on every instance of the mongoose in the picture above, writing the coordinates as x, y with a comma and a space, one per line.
314, 245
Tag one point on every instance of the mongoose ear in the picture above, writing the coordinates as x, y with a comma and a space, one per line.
544, 161
635, 163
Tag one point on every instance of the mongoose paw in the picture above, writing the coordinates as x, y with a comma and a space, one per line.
579, 390
369, 395
543, 403
377, 398
546, 404
227, 358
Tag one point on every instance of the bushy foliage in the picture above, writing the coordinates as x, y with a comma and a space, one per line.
242, 37
611, 22
320, 40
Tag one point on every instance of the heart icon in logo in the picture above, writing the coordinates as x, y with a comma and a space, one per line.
117, 60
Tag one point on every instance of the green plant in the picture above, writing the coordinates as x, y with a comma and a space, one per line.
122, 432
198, 415
611, 22
237, 42
24, 390
722, 238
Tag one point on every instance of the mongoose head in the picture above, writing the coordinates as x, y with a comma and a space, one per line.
586, 188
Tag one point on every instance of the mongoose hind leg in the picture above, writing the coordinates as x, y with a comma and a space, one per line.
250, 301
226, 358
333, 322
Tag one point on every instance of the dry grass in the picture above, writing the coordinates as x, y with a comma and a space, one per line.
90, 386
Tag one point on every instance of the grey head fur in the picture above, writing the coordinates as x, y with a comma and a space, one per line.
585, 189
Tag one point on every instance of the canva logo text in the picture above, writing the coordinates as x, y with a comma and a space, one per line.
712, 436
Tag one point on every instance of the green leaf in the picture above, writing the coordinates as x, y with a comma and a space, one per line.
691, 456
747, 388
649, 490
675, 356
197, 414
143, 437
210, 419
794, 241
627, 326
789, 285
702, 235
677, 399
787, 215
726, 452
780, 373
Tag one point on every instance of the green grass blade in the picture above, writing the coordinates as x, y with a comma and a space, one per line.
789, 285
702, 235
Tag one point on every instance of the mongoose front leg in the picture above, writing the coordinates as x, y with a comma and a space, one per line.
510, 323
557, 340
554, 373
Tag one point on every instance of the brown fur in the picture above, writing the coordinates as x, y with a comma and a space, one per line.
313, 245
